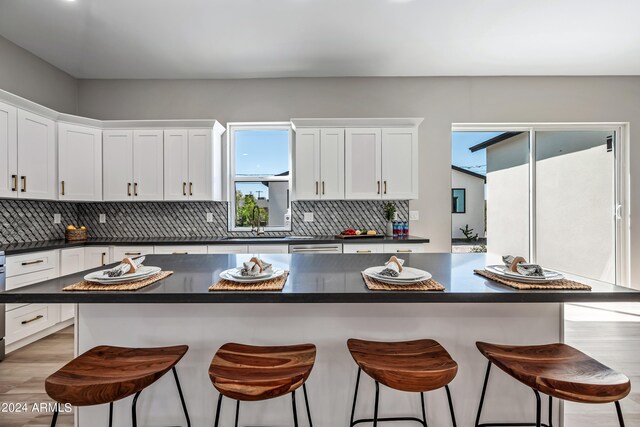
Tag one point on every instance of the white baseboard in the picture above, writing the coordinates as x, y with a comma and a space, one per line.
37, 336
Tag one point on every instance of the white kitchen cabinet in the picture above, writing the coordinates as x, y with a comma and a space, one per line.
27, 279
96, 256
268, 249
79, 162
319, 165
400, 248
363, 248
189, 164
227, 249
37, 156
30, 319
27, 269
179, 250
148, 154
363, 154
118, 253
8, 150
71, 261
117, 164
399, 163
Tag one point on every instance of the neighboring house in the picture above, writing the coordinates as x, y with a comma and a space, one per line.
467, 201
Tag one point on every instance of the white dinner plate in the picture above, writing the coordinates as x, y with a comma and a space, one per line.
277, 272
395, 281
408, 274
142, 273
501, 270
236, 273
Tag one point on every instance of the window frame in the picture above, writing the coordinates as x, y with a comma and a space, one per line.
232, 179
464, 200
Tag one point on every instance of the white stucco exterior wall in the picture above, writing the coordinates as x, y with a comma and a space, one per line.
474, 213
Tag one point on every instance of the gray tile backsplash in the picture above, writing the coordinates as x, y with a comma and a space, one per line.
26, 220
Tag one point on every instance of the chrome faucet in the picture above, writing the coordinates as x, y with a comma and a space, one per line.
255, 221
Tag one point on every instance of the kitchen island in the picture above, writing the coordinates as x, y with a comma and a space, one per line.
324, 302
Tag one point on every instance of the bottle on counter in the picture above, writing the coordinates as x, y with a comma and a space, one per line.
405, 228
396, 228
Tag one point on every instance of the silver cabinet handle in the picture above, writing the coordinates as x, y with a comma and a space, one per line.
378, 187
316, 187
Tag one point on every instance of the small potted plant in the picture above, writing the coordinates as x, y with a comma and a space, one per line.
390, 211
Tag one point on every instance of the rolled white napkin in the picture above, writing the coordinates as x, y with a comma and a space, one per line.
393, 267
255, 266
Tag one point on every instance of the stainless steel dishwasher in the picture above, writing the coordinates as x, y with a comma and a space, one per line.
321, 248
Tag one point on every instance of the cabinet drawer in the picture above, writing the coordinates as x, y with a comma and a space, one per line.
416, 248
28, 279
120, 252
268, 249
179, 250
29, 263
227, 249
364, 248
30, 319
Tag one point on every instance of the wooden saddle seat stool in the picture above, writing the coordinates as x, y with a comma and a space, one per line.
254, 373
557, 370
106, 374
413, 366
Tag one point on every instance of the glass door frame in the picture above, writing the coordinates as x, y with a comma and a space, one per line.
621, 180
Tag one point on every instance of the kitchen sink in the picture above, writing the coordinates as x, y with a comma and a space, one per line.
265, 238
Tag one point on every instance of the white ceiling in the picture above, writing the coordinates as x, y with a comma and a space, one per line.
290, 38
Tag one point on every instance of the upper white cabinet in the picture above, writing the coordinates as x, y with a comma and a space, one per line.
363, 157
133, 164
319, 165
191, 168
36, 156
399, 163
8, 150
79, 162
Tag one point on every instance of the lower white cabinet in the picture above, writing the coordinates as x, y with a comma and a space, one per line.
30, 319
399, 248
180, 250
96, 256
227, 249
71, 261
268, 249
118, 253
363, 248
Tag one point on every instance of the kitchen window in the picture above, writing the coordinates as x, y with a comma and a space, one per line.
259, 176
458, 204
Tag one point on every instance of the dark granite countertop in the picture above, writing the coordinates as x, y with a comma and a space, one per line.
19, 248
316, 278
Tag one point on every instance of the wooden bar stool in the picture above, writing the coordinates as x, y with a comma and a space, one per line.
252, 373
557, 370
413, 366
105, 374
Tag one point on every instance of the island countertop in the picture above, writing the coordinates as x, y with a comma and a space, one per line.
315, 278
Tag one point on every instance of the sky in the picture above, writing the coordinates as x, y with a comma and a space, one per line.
460, 154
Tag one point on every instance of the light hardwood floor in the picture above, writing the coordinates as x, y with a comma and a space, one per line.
608, 332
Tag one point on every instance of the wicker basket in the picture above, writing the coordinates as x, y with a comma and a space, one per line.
75, 235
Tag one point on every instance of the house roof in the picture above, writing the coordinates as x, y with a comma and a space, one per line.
492, 141
468, 172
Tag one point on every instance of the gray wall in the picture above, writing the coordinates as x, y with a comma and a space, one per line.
440, 100
24, 74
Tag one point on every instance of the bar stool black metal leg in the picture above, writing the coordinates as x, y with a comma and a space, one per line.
375, 408
484, 390
424, 411
619, 411
355, 396
306, 401
184, 405
295, 412
54, 420
453, 414
215, 424
134, 420
550, 411
110, 414
538, 409
237, 412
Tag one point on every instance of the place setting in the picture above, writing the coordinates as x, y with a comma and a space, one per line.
517, 273
395, 276
129, 275
253, 275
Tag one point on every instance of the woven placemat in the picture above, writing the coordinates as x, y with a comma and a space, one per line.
131, 286
276, 284
565, 284
426, 285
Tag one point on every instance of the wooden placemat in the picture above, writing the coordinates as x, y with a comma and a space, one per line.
564, 284
426, 285
276, 284
131, 286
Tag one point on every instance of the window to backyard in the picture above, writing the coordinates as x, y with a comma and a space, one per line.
260, 179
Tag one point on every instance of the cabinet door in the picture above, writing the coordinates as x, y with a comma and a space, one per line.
268, 249
200, 165
332, 164
8, 151
117, 164
399, 163
148, 165
363, 248
362, 164
36, 156
96, 256
79, 162
71, 261
176, 164
307, 164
